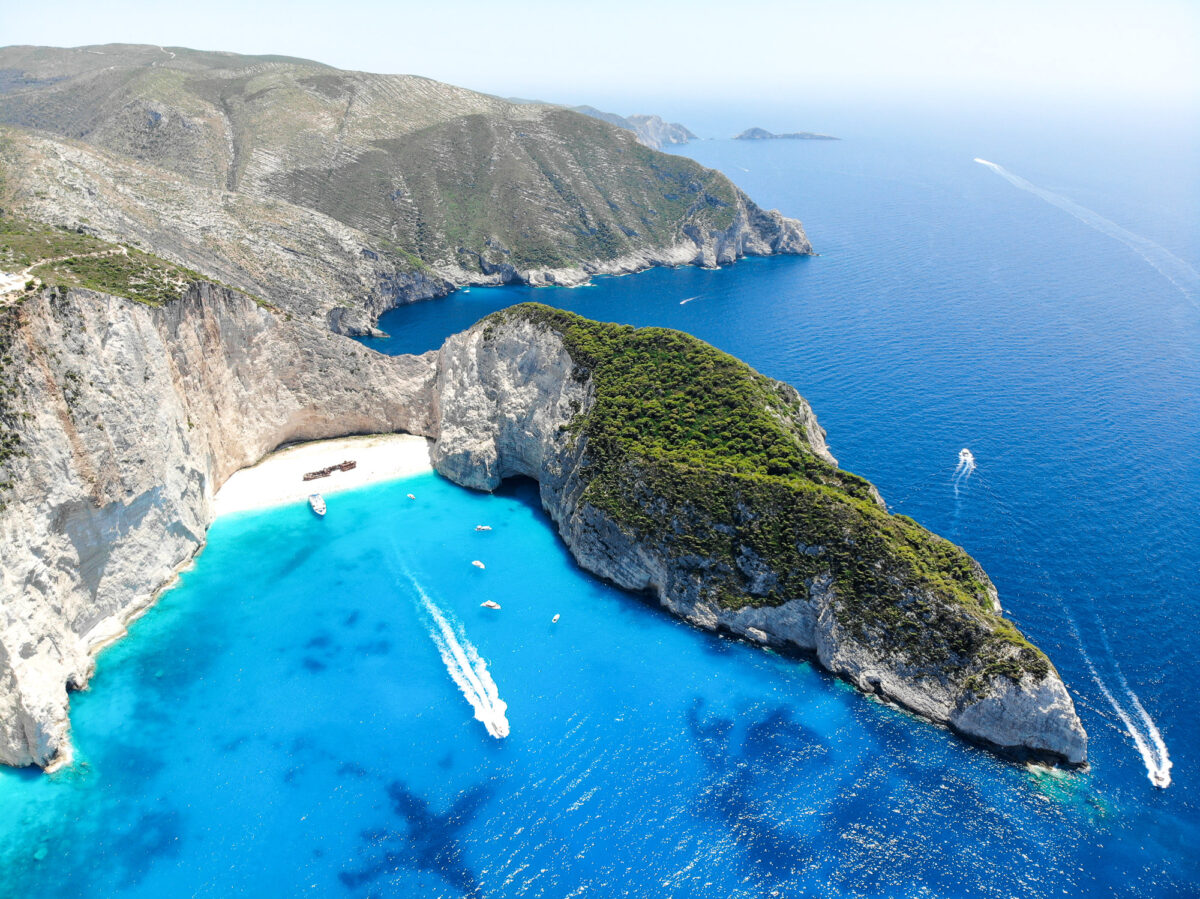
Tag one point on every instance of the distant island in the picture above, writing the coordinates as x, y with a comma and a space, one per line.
764, 134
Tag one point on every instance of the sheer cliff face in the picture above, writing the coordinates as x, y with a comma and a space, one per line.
129, 418
340, 194
509, 398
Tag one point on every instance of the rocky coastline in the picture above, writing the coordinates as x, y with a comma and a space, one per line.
510, 395
128, 419
131, 417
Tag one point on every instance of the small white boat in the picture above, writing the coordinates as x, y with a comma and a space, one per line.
410, 496
477, 564
316, 502
483, 527
554, 620
489, 604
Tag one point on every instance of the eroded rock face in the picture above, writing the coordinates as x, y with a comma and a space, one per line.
507, 393
130, 419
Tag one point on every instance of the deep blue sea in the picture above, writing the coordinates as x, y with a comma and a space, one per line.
310, 712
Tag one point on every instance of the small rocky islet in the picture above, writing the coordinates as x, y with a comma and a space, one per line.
764, 134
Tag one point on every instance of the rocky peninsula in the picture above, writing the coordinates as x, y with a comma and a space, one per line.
651, 130
674, 469
338, 195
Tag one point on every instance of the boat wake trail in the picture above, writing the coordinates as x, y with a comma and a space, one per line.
464, 664
964, 469
1145, 734
1139, 726
1185, 278
1147, 737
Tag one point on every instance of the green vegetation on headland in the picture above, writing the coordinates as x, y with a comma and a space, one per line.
60, 257
690, 449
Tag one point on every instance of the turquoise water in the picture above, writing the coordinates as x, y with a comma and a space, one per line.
285, 721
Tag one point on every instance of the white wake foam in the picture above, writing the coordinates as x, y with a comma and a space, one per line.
964, 469
1148, 738
1145, 734
464, 664
1140, 727
1185, 278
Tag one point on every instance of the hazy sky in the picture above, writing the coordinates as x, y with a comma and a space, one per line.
570, 52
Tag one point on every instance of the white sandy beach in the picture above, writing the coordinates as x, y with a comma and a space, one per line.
278, 478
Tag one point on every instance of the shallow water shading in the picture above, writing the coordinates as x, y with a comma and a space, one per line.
282, 722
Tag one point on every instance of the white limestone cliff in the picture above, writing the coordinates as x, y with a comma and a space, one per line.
130, 419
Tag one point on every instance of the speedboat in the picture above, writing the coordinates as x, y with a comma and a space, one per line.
489, 604
317, 503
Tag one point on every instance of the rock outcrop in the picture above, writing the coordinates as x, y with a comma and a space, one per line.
764, 134
127, 419
652, 131
514, 396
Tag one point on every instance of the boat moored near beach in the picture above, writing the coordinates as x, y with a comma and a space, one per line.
316, 502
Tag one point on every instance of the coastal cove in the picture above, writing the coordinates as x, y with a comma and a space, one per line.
286, 719
322, 740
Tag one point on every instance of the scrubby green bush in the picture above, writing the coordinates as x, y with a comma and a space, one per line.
690, 449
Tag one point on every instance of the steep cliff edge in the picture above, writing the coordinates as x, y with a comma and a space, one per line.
118, 421
672, 468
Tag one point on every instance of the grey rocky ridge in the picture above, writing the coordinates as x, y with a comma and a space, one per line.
651, 130
342, 194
